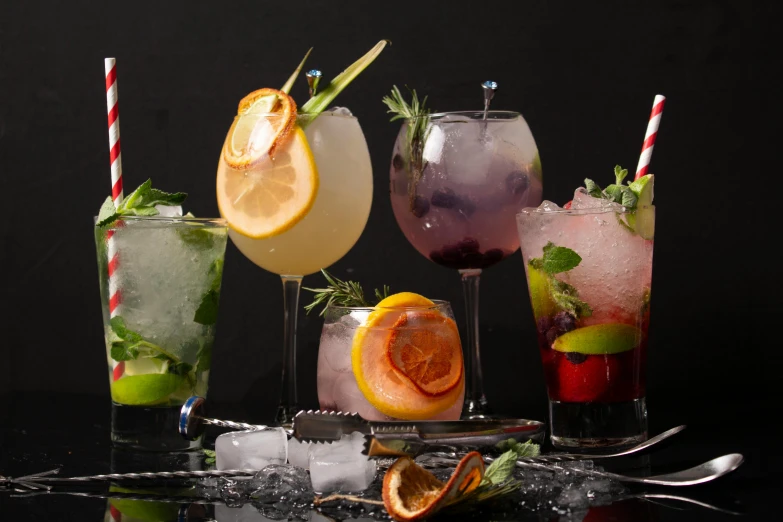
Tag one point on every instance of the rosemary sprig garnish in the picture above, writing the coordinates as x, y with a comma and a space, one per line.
418, 120
341, 293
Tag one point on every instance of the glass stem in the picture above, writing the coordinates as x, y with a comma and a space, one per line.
475, 401
288, 400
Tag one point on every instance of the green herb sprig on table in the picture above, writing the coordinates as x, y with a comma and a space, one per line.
140, 202
499, 476
341, 293
210, 456
418, 119
557, 260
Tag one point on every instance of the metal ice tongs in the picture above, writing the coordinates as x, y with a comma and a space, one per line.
397, 438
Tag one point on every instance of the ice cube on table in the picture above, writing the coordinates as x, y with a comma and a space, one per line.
277, 483
340, 466
251, 449
299, 453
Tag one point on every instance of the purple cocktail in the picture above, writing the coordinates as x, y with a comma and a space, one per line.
458, 180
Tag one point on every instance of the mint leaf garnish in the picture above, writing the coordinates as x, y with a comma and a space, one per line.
118, 326
211, 456
502, 468
140, 202
557, 260
204, 357
593, 189
617, 192
124, 351
107, 211
522, 449
207, 311
567, 298
133, 345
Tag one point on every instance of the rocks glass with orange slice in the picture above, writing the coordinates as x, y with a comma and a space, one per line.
295, 187
398, 360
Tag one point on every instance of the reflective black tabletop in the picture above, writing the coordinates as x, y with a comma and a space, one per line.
40, 432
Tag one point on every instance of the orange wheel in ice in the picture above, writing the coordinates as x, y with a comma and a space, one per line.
412, 388
412, 493
424, 350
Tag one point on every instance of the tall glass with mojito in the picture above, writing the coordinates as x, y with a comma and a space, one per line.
589, 272
159, 314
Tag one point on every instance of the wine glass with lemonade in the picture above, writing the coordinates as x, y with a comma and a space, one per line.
458, 180
295, 187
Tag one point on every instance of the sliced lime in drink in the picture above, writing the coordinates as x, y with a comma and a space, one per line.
145, 390
540, 295
643, 188
143, 366
599, 339
643, 220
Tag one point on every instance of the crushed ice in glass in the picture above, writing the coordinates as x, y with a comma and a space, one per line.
582, 200
251, 449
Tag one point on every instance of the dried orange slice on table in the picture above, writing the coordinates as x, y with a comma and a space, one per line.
410, 492
267, 179
407, 358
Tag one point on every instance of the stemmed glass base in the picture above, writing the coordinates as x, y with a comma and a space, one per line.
475, 406
476, 409
289, 405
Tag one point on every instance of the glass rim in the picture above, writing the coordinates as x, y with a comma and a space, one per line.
438, 303
215, 222
475, 116
579, 211
298, 114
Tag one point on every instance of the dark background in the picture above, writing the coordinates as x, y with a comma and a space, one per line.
583, 74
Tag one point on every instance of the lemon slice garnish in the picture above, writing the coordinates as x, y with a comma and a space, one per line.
274, 194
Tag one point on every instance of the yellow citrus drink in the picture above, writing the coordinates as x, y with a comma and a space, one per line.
337, 215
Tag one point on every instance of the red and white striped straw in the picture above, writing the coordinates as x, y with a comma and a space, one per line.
649, 136
112, 109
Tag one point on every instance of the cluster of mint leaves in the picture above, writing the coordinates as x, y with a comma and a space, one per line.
556, 260
617, 192
140, 202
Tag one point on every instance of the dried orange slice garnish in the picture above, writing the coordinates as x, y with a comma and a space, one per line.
264, 120
390, 387
424, 349
410, 492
